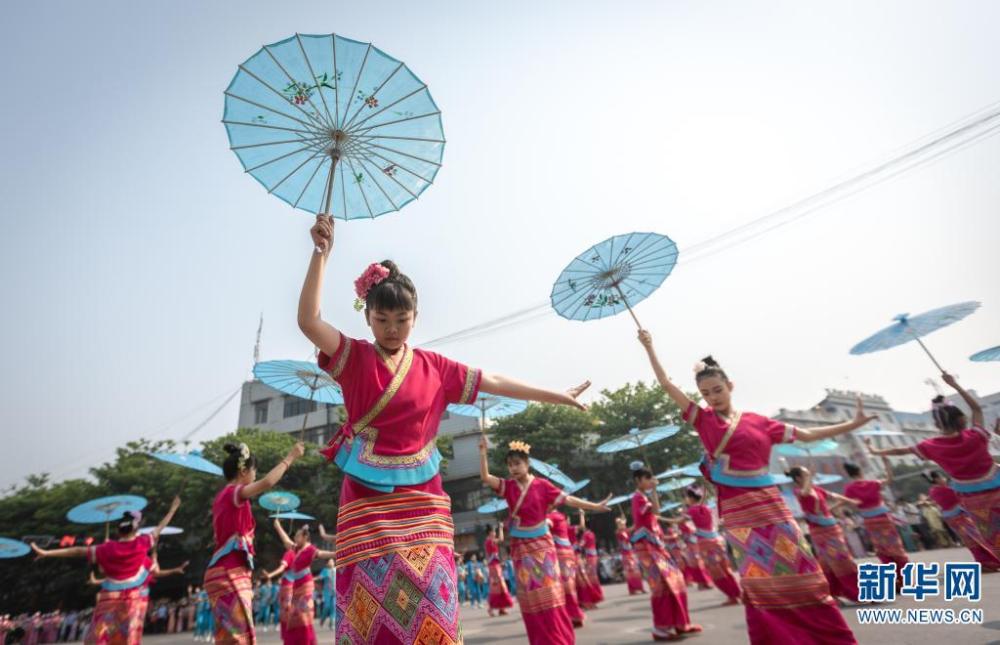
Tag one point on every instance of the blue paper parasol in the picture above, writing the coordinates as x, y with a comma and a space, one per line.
823, 447
576, 486
105, 509
669, 506
280, 501
192, 461
613, 276
167, 530
12, 548
691, 470
301, 379
906, 329
675, 484
991, 354
551, 472
333, 125
877, 431
823, 479
620, 499
292, 515
492, 506
638, 438
489, 406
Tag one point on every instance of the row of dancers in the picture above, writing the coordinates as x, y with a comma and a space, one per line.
396, 576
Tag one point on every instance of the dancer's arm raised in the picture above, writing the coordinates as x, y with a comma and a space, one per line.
674, 392
271, 479
825, 432
174, 505
484, 467
887, 452
322, 334
285, 540
974, 407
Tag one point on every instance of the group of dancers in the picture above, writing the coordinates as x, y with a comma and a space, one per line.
396, 578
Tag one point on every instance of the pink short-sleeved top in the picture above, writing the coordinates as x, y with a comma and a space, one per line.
122, 560
944, 496
233, 526
393, 411
529, 505
701, 516
738, 452
965, 456
869, 493
815, 507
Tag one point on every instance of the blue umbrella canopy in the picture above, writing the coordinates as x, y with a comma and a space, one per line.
280, 501
823, 479
991, 354
12, 548
576, 486
105, 509
878, 431
167, 530
620, 499
675, 484
613, 276
493, 506
489, 406
551, 472
907, 328
292, 515
192, 461
299, 378
823, 447
637, 438
690, 470
669, 506
334, 125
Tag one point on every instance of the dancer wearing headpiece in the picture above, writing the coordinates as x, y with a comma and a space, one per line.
394, 525
499, 598
124, 596
828, 540
962, 451
877, 518
228, 578
668, 592
588, 584
786, 596
960, 521
569, 564
298, 604
711, 546
630, 567
540, 593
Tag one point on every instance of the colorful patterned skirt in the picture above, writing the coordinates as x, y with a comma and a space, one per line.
298, 615
835, 559
540, 591
694, 566
119, 617
499, 597
285, 605
568, 566
713, 554
967, 530
887, 543
984, 507
633, 576
675, 547
230, 593
396, 580
785, 594
667, 589
588, 585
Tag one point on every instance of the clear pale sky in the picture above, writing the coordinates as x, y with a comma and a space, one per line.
137, 256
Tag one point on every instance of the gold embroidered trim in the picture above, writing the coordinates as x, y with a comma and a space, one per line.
471, 378
390, 392
368, 436
342, 361
729, 434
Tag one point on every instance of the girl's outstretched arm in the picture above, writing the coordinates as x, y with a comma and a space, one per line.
322, 334
484, 467
974, 407
505, 386
674, 392
825, 432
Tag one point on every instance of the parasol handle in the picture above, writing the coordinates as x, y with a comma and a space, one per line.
929, 355
628, 306
305, 417
328, 193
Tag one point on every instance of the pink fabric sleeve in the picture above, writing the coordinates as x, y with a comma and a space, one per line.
550, 493
693, 414
237, 500
780, 432
344, 361
980, 433
918, 449
460, 382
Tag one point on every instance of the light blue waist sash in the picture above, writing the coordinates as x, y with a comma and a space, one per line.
874, 512
137, 580
292, 576
233, 544
563, 542
706, 534
955, 511
977, 487
821, 520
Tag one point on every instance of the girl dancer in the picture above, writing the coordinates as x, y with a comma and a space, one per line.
530, 498
711, 546
963, 452
960, 521
668, 594
786, 597
568, 565
228, 576
124, 596
588, 585
633, 576
828, 540
499, 598
877, 517
298, 607
392, 502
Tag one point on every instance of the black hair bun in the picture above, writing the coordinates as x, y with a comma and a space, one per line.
938, 399
709, 361
231, 448
394, 271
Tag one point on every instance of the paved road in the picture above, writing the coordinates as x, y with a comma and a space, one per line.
626, 620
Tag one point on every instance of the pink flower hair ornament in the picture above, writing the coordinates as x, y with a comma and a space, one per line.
373, 275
